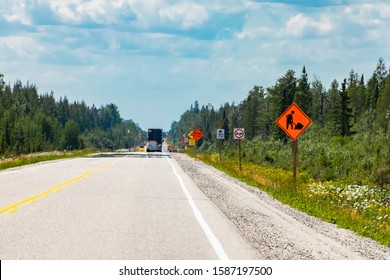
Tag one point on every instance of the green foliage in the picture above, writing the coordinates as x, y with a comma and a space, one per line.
362, 208
40, 157
71, 134
303, 97
252, 110
343, 157
31, 123
348, 140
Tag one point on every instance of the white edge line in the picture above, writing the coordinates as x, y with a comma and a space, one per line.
199, 217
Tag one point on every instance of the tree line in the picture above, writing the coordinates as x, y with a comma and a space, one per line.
346, 108
348, 140
32, 122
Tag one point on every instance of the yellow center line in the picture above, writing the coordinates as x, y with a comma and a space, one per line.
56, 188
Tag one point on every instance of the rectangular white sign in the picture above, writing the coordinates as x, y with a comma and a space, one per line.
220, 133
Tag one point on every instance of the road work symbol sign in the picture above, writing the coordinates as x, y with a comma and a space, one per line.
220, 133
239, 133
293, 121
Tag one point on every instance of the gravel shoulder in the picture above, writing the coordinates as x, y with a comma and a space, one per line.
277, 231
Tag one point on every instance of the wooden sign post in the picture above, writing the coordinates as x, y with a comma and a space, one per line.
293, 121
238, 134
220, 137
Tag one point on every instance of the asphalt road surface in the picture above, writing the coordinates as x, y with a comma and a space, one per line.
113, 206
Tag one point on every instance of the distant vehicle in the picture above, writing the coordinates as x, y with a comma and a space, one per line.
154, 140
172, 149
153, 146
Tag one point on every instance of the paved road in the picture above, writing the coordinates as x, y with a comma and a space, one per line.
127, 206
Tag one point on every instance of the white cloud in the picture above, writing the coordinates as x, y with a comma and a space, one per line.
368, 14
151, 13
146, 12
300, 25
185, 14
15, 12
66, 10
21, 47
79, 11
253, 32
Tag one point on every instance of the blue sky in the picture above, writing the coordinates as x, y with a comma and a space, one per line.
154, 58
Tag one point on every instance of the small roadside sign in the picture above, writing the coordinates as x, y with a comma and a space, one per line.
293, 121
191, 142
220, 134
239, 133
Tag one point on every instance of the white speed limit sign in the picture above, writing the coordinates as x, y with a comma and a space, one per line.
220, 133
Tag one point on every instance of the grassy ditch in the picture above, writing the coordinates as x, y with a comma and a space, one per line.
363, 209
23, 159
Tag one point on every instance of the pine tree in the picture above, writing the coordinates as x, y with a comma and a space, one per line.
372, 92
225, 121
2, 84
341, 112
353, 94
345, 112
381, 71
319, 102
71, 132
383, 106
252, 109
303, 96
362, 105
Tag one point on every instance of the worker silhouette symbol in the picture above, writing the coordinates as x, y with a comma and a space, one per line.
293, 121
290, 120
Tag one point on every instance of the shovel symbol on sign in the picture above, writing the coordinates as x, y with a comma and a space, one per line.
290, 122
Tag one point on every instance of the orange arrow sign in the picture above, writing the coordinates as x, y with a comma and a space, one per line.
197, 134
293, 121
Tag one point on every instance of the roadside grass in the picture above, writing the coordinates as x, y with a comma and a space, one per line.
23, 159
363, 209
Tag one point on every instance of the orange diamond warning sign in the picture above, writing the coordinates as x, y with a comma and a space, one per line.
293, 121
197, 134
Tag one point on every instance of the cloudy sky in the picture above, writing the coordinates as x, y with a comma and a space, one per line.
154, 58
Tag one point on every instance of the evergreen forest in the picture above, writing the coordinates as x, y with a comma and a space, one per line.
343, 157
348, 139
32, 122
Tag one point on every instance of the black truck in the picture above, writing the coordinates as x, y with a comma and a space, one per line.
154, 140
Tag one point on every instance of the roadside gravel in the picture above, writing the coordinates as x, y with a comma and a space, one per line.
277, 231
